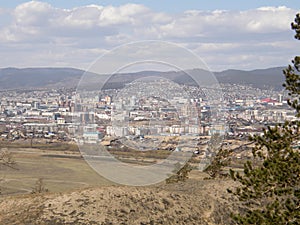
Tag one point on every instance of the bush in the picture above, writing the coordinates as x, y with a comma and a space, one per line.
181, 173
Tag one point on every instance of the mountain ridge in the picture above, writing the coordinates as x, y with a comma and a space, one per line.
51, 77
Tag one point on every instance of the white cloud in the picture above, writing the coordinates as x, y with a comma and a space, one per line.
229, 23
240, 39
33, 13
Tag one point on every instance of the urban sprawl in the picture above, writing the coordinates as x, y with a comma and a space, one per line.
143, 113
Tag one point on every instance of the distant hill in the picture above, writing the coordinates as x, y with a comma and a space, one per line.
261, 78
13, 78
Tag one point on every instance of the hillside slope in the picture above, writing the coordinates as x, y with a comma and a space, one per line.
193, 202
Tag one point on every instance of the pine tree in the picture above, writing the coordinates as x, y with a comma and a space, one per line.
270, 192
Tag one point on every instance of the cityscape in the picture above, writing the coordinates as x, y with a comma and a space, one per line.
140, 110
149, 112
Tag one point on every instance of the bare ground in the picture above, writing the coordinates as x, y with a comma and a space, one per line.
196, 202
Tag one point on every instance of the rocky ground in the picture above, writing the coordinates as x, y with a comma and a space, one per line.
195, 201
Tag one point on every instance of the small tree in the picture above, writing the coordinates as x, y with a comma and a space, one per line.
6, 158
181, 173
218, 157
221, 160
39, 187
214, 144
270, 192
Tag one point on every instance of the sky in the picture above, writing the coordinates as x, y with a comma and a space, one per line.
224, 34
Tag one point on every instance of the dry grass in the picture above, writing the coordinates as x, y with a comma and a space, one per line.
193, 202
58, 173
